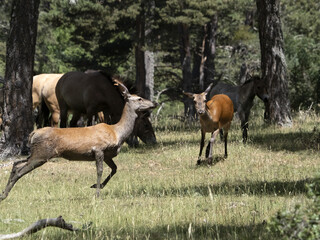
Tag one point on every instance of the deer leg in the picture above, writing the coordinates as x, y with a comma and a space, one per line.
201, 146
99, 164
212, 139
226, 130
221, 134
19, 169
225, 145
113, 167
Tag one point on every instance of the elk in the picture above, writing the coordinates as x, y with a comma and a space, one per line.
242, 97
215, 114
99, 143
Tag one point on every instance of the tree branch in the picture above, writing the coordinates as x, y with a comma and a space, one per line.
40, 224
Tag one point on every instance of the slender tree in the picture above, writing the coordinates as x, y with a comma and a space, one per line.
18, 121
273, 62
185, 58
139, 51
210, 50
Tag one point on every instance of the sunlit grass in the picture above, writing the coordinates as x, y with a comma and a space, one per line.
160, 193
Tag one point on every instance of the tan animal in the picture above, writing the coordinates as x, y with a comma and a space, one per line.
43, 89
214, 115
99, 143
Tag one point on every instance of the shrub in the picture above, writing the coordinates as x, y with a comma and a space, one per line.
300, 223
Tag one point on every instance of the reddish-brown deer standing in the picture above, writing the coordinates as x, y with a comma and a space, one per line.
215, 114
99, 143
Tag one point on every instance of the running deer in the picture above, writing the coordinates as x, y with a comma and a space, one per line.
215, 114
99, 143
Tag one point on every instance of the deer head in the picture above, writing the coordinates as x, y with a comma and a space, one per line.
136, 102
199, 99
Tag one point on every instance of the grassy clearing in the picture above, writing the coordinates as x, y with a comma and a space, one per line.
159, 192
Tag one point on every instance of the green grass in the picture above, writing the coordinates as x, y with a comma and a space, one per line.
160, 193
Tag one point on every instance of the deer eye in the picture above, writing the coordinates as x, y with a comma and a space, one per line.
140, 99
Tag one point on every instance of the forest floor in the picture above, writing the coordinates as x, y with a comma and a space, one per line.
160, 193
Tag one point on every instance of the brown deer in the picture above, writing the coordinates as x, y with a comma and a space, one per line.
215, 114
99, 143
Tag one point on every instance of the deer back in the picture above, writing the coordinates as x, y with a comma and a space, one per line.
220, 108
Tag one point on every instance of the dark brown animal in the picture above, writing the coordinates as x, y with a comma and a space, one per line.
91, 92
99, 143
215, 114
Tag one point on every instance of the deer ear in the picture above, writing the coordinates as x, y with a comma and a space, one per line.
123, 89
190, 95
208, 89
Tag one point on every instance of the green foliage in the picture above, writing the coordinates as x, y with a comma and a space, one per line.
301, 21
89, 34
301, 223
243, 33
84, 35
303, 55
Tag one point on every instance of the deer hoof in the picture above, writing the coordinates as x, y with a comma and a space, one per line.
94, 186
198, 162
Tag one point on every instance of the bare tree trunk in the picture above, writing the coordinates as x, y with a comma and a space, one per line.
210, 51
185, 58
149, 67
139, 53
203, 62
273, 63
17, 117
200, 61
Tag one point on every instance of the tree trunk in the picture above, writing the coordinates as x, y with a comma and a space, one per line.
210, 51
139, 53
185, 58
17, 117
273, 64
149, 67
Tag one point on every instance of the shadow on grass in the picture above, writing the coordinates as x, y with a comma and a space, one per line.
176, 231
210, 231
260, 188
293, 142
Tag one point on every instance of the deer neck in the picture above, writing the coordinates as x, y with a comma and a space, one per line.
206, 116
125, 126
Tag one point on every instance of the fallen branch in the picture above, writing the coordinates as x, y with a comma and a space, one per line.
43, 223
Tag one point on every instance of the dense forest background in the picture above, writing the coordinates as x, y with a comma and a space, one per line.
83, 34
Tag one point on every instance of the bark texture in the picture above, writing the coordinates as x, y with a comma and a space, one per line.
273, 63
185, 58
17, 115
139, 53
149, 66
210, 51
